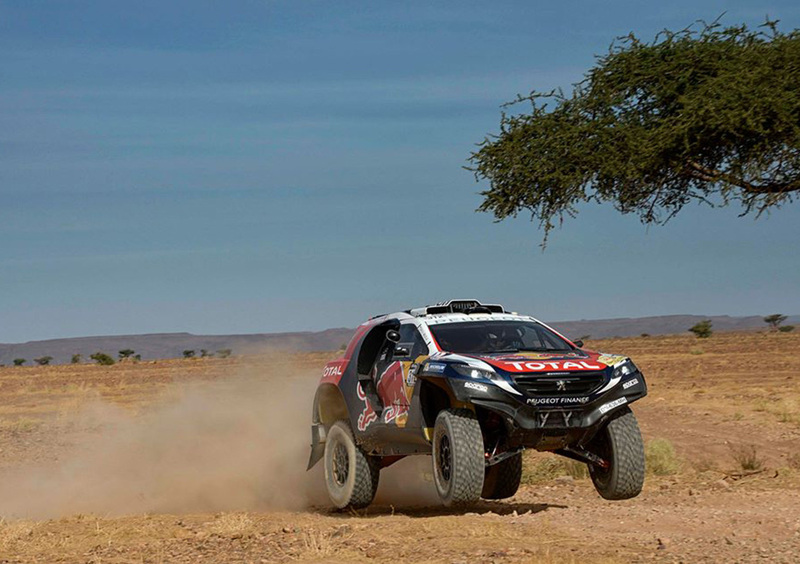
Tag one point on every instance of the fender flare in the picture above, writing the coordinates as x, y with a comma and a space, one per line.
329, 407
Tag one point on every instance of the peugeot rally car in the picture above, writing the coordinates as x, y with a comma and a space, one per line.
473, 385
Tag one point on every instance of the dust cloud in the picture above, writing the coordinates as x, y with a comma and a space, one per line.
234, 444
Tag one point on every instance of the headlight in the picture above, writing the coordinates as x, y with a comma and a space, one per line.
472, 372
483, 374
625, 369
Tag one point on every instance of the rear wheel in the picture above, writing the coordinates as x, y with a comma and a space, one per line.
620, 444
458, 460
351, 476
501, 480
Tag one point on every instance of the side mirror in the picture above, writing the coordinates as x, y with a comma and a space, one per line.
393, 336
578, 344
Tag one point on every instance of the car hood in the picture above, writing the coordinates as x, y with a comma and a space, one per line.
575, 361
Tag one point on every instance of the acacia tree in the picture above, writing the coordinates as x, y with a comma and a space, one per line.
707, 114
126, 353
775, 320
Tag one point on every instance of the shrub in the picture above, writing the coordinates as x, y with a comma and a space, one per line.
224, 353
188, 353
746, 456
102, 358
786, 328
204, 353
702, 329
126, 353
76, 359
43, 360
19, 361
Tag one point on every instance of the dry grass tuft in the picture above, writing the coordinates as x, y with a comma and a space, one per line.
706, 465
660, 457
746, 456
13, 532
543, 469
231, 525
20, 425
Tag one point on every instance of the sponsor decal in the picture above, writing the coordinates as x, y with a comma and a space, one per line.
606, 407
630, 383
610, 359
528, 356
552, 365
435, 367
561, 400
332, 371
411, 376
367, 416
396, 413
476, 386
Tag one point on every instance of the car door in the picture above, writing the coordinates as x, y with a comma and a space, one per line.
396, 381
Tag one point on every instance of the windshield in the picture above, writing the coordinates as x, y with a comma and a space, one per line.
497, 336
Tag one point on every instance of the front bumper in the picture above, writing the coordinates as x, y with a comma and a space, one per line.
549, 425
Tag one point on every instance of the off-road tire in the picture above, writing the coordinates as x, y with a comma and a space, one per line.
351, 476
501, 480
620, 443
458, 459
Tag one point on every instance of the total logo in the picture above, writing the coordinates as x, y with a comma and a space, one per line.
537, 366
332, 371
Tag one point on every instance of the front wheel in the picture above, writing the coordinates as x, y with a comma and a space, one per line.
458, 459
351, 476
502, 479
620, 444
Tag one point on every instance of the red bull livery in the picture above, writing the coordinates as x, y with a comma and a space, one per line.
473, 385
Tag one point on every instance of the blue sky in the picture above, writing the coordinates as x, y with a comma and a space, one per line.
256, 166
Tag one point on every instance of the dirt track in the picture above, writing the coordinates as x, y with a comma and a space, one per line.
709, 398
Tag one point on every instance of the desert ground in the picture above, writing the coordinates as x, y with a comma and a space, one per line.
203, 460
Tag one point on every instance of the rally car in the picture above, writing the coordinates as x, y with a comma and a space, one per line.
473, 385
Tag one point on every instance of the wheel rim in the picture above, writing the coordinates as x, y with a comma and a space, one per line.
601, 446
341, 464
444, 458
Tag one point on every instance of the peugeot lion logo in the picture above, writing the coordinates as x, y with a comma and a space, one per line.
561, 385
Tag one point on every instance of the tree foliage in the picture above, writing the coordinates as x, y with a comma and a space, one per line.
702, 329
19, 361
126, 353
188, 353
774, 320
706, 114
76, 358
102, 358
43, 360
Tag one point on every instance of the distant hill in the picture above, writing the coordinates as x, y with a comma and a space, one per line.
662, 325
172, 345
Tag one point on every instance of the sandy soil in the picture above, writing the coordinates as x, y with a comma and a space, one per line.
203, 461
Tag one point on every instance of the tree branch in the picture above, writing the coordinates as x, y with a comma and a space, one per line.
713, 175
